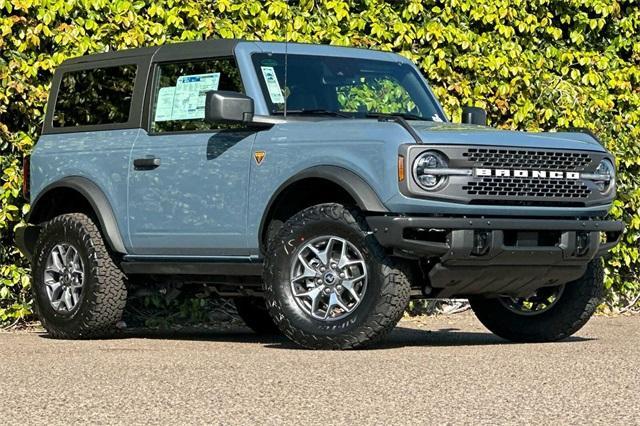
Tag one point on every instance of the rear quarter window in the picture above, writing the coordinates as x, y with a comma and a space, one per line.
95, 96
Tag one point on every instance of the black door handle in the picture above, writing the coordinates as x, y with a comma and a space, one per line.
147, 163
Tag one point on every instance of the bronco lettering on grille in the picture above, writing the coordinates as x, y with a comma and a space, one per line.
535, 174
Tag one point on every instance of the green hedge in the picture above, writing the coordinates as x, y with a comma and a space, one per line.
534, 65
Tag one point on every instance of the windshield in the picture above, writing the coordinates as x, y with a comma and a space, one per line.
344, 87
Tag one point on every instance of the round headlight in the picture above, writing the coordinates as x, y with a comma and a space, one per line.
607, 172
426, 162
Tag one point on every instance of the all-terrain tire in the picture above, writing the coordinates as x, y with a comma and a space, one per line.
381, 306
254, 313
576, 305
104, 293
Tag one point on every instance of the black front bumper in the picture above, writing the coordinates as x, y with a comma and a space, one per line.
497, 255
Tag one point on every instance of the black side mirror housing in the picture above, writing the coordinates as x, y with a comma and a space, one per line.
226, 106
474, 115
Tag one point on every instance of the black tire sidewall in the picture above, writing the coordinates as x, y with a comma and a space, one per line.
286, 252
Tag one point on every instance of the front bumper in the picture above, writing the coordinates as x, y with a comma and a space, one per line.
512, 256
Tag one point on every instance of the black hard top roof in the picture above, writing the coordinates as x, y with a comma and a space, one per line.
215, 47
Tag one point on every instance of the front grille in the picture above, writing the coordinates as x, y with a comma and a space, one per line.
523, 187
528, 159
516, 176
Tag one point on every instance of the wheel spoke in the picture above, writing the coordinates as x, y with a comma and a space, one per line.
309, 293
66, 297
354, 262
53, 285
62, 251
308, 271
343, 256
55, 289
314, 295
69, 256
339, 302
334, 300
359, 277
50, 279
329, 249
330, 304
315, 298
349, 285
56, 263
53, 268
323, 256
76, 262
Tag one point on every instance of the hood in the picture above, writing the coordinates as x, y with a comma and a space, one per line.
469, 134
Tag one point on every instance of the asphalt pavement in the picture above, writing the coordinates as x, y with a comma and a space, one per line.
441, 370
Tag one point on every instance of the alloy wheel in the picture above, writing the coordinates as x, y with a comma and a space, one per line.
328, 278
64, 277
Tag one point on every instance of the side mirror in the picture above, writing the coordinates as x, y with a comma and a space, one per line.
474, 115
225, 106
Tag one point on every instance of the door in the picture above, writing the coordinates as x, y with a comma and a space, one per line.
189, 179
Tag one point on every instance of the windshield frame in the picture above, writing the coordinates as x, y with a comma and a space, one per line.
419, 78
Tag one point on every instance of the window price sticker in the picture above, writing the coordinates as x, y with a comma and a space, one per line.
273, 86
185, 100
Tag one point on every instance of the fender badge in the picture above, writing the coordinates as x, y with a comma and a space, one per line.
259, 156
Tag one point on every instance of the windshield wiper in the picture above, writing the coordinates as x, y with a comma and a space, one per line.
405, 115
399, 119
316, 111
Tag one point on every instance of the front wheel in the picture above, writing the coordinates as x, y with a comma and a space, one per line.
329, 284
551, 314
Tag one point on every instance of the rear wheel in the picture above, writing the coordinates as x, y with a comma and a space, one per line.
255, 315
79, 291
329, 284
552, 313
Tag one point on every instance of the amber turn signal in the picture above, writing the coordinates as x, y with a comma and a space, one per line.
400, 168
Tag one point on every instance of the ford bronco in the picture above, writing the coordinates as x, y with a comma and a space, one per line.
323, 187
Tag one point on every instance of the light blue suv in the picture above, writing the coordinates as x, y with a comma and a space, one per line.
323, 187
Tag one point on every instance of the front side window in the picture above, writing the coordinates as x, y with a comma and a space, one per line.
95, 96
180, 92
344, 86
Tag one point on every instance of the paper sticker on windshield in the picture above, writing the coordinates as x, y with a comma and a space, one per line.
164, 104
273, 86
190, 93
436, 118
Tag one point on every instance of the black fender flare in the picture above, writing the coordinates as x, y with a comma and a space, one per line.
98, 201
365, 197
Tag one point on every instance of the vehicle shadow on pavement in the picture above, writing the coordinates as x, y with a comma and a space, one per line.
399, 338
238, 335
412, 337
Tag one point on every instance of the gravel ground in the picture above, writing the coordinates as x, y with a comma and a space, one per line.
430, 370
